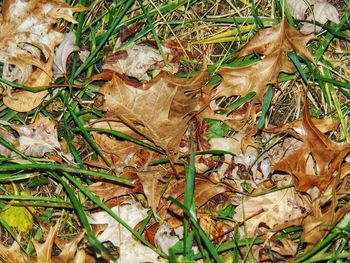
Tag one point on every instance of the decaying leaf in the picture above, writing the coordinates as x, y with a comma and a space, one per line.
321, 11
273, 43
136, 60
130, 249
26, 32
62, 52
263, 213
317, 149
37, 138
9, 138
165, 95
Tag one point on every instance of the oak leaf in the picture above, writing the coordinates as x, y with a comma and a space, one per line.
274, 44
152, 186
159, 111
327, 156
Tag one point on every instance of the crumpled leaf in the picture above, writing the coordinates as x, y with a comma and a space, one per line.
166, 237
167, 96
327, 156
322, 11
130, 249
263, 213
274, 44
9, 138
37, 138
26, 32
62, 53
17, 217
136, 60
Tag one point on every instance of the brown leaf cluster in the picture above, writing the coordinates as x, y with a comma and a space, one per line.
26, 32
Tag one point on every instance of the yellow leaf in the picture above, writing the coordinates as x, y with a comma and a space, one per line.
18, 217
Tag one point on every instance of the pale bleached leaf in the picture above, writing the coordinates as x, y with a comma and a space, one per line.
37, 138
130, 249
62, 53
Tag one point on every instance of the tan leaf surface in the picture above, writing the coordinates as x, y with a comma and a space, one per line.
152, 186
265, 212
164, 97
273, 43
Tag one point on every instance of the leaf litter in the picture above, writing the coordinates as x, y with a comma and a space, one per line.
275, 193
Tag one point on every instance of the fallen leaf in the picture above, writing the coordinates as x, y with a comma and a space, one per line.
321, 11
136, 61
167, 96
263, 213
152, 186
327, 156
12, 254
17, 217
166, 237
37, 138
62, 53
130, 249
273, 43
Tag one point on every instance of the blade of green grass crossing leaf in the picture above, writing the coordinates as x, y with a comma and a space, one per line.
12, 234
103, 206
62, 168
337, 105
107, 35
209, 245
293, 56
124, 136
155, 35
265, 107
80, 19
82, 216
326, 241
238, 103
286, 12
83, 130
257, 20
324, 44
189, 202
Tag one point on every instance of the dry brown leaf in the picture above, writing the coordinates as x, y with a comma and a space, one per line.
26, 32
166, 96
152, 186
263, 213
37, 138
13, 254
318, 149
4, 134
273, 43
